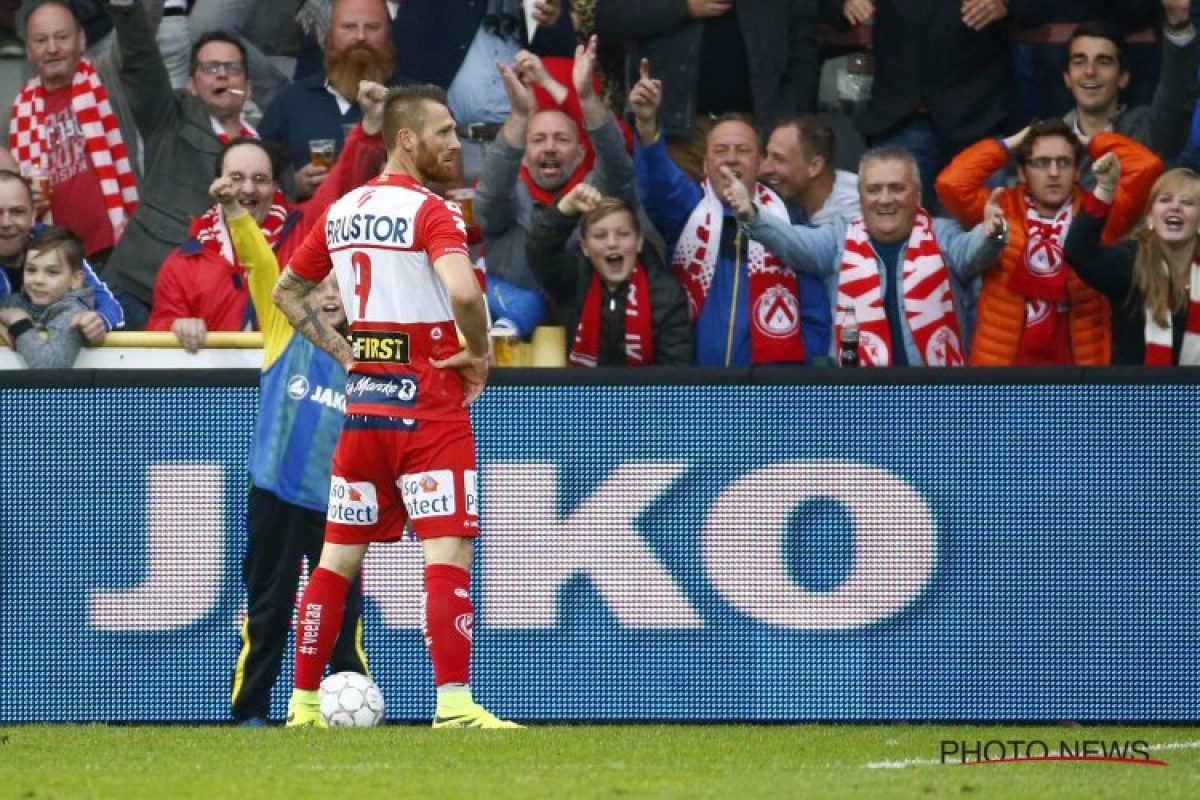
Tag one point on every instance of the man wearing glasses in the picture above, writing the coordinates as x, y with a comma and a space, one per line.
202, 286
183, 132
1033, 310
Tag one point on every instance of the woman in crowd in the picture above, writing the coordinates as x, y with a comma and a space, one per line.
1152, 280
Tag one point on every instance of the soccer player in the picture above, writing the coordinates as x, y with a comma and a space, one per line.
407, 451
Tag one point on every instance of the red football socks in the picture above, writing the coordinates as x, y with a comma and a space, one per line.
449, 622
321, 610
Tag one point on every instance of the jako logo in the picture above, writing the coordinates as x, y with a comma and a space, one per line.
297, 387
534, 548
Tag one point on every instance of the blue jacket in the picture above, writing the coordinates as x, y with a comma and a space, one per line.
306, 110
106, 305
669, 197
432, 38
302, 400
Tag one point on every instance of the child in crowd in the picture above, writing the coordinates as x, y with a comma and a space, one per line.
36, 321
621, 305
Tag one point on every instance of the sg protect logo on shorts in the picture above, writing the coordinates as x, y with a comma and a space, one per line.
381, 347
428, 494
352, 503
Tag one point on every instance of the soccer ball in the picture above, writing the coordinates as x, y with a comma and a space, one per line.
351, 700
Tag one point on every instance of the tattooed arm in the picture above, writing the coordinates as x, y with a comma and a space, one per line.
294, 297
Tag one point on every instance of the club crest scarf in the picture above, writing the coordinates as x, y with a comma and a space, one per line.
1041, 278
775, 324
927, 297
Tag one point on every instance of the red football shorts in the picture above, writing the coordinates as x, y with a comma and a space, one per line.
384, 476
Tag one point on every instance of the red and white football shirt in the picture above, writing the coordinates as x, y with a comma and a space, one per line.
382, 240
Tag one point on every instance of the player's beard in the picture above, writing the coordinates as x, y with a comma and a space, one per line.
359, 62
431, 167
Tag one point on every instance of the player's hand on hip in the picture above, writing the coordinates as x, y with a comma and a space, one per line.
472, 369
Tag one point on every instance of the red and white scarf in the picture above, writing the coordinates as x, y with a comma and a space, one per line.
1041, 278
245, 130
101, 133
211, 231
1160, 341
927, 296
639, 324
775, 324
545, 197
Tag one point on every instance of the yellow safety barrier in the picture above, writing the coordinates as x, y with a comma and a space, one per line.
247, 340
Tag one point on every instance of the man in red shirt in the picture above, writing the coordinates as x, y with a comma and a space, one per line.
201, 287
63, 129
407, 452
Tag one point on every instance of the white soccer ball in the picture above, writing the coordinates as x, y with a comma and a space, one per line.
351, 700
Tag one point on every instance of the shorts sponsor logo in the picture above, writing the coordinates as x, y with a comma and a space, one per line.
470, 493
352, 503
381, 347
428, 494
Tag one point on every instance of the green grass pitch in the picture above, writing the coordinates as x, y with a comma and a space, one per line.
567, 761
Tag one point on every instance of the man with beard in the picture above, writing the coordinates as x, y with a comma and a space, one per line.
321, 106
407, 451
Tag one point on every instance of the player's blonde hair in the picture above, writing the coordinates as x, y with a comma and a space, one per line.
407, 107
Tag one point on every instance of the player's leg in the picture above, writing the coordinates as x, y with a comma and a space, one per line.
270, 573
362, 503
349, 654
318, 624
439, 492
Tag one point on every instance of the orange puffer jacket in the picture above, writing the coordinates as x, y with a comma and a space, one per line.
1000, 314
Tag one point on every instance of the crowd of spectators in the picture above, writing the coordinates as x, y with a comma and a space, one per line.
652, 175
